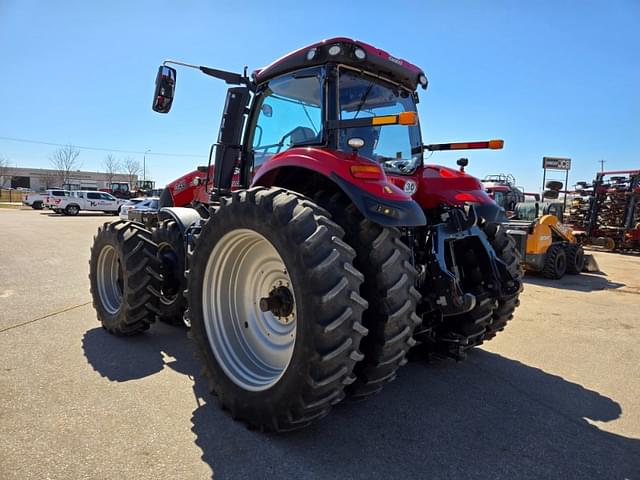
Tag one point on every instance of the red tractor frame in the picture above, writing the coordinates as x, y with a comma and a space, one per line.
319, 248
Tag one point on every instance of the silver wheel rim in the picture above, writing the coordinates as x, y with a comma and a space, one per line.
109, 277
253, 347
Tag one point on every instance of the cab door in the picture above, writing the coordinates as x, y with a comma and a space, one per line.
94, 200
108, 202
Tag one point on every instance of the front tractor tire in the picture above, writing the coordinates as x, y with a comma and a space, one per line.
122, 277
274, 308
171, 252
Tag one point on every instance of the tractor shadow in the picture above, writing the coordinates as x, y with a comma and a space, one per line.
585, 282
488, 417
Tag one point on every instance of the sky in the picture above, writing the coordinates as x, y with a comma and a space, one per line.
552, 78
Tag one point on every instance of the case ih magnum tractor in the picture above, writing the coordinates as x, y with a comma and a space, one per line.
319, 248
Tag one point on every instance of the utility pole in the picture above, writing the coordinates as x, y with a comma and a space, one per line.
602, 162
144, 165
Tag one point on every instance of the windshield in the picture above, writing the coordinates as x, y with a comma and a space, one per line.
290, 114
396, 147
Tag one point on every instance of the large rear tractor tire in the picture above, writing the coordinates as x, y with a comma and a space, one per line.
506, 250
555, 263
274, 308
122, 276
389, 279
575, 259
171, 252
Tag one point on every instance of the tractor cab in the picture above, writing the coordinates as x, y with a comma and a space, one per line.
120, 189
146, 185
503, 190
340, 114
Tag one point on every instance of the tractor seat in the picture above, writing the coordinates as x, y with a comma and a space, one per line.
302, 135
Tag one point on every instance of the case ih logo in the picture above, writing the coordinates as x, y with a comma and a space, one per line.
181, 185
395, 60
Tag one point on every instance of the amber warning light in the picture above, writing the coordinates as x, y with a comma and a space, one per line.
491, 144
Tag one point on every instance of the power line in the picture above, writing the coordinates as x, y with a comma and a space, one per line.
100, 149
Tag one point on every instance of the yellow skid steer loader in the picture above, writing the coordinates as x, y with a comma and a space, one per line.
545, 244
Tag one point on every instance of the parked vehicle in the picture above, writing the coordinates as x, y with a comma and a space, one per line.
143, 188
502, 188
546, 245
38, 201
124, 210
91, 201
145, 212
327, 248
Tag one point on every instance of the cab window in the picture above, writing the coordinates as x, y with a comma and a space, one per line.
290, 114
93, 196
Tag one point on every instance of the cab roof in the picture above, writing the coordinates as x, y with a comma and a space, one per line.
349, 52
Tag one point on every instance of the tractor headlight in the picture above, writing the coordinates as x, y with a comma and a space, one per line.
360, 54
334, 50
311, 54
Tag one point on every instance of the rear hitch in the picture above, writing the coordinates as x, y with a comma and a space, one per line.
446, 292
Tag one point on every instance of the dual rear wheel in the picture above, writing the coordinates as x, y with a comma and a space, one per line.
275, 309
277, 300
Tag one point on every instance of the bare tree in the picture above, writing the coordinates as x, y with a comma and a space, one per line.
64, 161
132, 169
4, 169
49, 180
111, 167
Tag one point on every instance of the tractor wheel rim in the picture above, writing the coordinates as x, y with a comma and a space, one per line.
110, 279
253, 347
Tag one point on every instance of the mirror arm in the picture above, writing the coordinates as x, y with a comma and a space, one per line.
230, 78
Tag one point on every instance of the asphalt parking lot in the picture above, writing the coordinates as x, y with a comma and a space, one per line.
556, 395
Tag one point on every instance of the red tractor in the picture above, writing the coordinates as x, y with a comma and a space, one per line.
502, 189
319, 248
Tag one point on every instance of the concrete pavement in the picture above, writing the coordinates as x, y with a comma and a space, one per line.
556, 395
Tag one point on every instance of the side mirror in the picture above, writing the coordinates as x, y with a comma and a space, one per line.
165, 87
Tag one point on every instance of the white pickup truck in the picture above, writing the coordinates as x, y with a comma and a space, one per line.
88, 200
39, 200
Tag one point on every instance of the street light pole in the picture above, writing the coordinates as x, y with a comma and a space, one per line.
144, 165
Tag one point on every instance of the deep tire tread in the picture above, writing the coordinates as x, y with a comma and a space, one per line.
333, 285
138, 259
389, 276
168, 235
